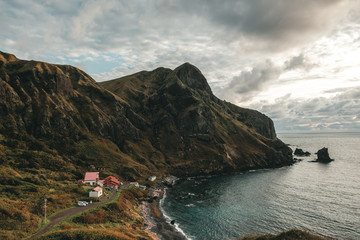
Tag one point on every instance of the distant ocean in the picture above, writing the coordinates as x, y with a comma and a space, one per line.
322, 198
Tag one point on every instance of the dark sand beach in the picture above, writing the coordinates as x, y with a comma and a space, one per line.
155, 221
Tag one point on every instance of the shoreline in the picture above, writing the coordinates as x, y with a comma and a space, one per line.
154, 219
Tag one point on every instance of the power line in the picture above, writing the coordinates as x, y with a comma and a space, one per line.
45, 212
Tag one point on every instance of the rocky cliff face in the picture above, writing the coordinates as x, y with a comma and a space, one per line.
195, 131
159, 122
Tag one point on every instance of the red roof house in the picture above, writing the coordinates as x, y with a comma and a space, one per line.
91, 178
111, 181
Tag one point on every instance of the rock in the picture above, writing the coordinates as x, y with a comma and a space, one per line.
299, 152
172, 222
323, 156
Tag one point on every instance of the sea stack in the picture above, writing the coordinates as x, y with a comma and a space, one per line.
323, 156
299, 152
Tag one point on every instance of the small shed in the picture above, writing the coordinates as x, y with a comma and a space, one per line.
96, 192
136, 184
100, 183
152, 178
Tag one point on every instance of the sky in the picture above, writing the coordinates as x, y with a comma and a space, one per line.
296, 61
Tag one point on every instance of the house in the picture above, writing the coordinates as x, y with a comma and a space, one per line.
91, 178
96, 192
100, 183
136, 184
111, 182
152, 178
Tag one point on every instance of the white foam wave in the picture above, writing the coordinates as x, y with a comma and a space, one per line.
169, 219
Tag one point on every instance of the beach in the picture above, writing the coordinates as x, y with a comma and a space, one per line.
155, 221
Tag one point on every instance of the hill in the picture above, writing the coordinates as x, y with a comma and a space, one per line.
191, 130
56, 121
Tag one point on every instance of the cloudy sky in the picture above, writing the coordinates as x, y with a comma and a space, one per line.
296, 61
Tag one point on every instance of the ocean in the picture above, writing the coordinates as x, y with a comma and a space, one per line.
322, 198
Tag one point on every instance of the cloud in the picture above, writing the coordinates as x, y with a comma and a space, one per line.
272, 25
248, 82
298, 62
337, 113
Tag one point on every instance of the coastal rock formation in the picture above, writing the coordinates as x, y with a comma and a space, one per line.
323, 156
299, 152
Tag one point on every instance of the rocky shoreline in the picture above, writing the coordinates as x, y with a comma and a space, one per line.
155, 221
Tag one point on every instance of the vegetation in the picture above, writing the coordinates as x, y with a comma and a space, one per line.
96, 234
121, 219
123, 211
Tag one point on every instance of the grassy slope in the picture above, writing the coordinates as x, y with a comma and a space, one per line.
117, 220
35, 165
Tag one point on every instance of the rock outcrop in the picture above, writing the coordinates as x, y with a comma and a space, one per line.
300, 153
323, 156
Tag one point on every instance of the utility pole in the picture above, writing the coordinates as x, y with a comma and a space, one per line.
45, 212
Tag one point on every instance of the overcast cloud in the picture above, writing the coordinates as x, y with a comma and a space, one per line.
297, 61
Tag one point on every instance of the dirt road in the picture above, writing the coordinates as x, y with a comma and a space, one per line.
57, 218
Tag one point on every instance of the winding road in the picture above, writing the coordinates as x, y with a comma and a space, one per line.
57, 218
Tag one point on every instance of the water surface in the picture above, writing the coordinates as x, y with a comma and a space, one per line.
324, 198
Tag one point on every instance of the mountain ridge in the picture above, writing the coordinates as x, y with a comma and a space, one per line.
63, 98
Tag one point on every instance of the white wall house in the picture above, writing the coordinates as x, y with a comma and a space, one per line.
152, 178
91, 178
96, 192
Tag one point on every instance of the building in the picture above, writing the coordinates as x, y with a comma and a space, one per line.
80, 181
100, 183
152, 178
96, 192
111, 182
142, 187
91, 178
136, 184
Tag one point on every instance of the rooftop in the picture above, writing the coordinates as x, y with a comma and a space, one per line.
97, 189
91, 176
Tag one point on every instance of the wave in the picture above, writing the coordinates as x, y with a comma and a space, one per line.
167, 217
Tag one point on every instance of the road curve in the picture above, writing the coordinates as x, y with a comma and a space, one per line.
57, 218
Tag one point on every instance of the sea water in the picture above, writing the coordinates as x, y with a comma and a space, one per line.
322, 198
